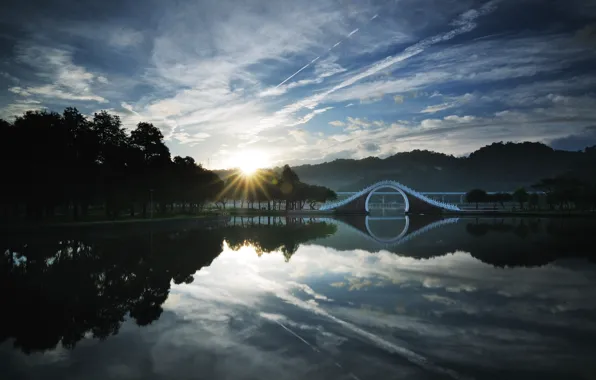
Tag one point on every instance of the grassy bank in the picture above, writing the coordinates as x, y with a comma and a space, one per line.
532, 213
256, 212
101, 220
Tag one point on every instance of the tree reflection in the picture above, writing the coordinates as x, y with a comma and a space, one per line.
530, 241
63, 291
276, 234
60, 288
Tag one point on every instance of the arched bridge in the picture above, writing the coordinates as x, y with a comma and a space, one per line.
413, 227
415, 201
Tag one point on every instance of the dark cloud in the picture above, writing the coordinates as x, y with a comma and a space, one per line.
370, 147
576, 141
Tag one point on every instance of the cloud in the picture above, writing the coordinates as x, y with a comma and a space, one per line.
323, 69
306, 118
19, 107
465, 23
516, 57
503, 312
67, 81
328, 67
456, 102
52, 91
575, 142
299, 135
370, 147
458, 134
9, 77
191, 139
215, 69
437, 108
337, 123
587, 35
19, 91
125, 37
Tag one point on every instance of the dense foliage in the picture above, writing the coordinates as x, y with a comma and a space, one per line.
562, 192
67, 164
277, 188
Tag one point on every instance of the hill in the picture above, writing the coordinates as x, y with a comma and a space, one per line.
496, 167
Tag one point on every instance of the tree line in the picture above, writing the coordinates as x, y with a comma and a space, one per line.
562, 192
71, 165
277, 189
68, 164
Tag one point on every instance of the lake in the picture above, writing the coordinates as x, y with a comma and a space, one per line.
383, 297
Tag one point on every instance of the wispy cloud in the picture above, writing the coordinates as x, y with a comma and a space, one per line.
65, 79
240, 74
455, 102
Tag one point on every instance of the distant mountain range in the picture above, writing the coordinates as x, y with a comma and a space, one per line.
496, 167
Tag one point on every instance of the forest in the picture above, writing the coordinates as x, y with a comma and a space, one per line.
558, 193
74, 166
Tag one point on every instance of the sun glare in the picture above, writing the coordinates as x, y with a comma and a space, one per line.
250, 161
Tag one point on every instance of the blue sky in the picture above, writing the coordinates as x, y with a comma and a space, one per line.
311, 81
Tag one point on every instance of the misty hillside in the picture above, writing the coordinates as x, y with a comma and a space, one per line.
497, 167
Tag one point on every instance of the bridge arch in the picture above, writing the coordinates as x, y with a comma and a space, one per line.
416, 202
391, 186
386, 241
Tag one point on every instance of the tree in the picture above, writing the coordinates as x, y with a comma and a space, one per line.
476, 196
501, 198
533, 201
319, 194
67, 163
521, 196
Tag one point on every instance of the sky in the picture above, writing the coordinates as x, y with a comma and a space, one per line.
309, 81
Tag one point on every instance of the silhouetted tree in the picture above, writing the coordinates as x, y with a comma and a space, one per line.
67, 163
533, 201
521, 196
476, 196
273, 186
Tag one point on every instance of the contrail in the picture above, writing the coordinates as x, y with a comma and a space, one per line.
328, 50
297, 336
353, 32
312, 347
297, 72
465, 23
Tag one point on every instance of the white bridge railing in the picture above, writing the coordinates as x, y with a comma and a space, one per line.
380, 185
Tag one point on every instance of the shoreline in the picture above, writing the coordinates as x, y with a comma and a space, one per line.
226, 214
507, 213
208, 217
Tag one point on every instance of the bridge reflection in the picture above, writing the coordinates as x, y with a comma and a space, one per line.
393, 230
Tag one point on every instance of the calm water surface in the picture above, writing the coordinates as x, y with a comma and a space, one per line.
277, 298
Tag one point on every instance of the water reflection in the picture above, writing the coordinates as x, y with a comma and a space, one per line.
325, 301
61, 289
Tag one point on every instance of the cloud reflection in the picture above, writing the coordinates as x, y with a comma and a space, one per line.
417, 309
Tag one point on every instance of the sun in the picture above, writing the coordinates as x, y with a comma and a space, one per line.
249, 161
248, 168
